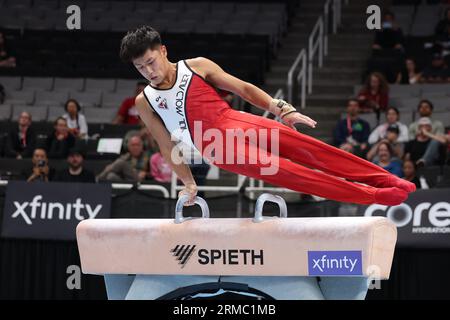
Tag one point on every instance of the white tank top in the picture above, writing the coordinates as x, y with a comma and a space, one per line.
170, 105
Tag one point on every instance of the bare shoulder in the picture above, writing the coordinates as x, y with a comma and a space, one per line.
201, 65
140, 100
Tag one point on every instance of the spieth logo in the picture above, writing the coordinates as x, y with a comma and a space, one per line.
218, 256
334, 263
425, 217
183, 253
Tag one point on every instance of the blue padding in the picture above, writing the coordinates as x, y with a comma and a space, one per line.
282, 288
118, 285
151, 287
344, 288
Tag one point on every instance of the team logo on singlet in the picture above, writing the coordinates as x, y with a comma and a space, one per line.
162, 103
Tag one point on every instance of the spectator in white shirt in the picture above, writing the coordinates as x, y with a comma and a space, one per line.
392, 117
75, 120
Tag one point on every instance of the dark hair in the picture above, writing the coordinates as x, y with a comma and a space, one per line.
142, 83
59, 118
395, 109
388, 146
425, 101
384, 86
353, 100
136, 42
78, 109
74, 101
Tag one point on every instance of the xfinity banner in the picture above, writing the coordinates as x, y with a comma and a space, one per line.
52, 210
423, 221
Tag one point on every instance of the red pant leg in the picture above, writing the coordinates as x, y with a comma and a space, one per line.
314, 153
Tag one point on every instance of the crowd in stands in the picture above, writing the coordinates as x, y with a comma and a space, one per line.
140, 160
398, 148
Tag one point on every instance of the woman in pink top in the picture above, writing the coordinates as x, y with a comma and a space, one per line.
160, 169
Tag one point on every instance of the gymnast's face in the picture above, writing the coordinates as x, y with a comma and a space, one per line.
153, 65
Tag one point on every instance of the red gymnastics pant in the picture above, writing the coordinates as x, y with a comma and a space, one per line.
298, 152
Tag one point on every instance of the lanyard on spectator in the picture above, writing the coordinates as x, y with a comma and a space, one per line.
24, 137
349, 126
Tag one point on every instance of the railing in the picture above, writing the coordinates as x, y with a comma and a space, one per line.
127, 186
317, 49
301, 76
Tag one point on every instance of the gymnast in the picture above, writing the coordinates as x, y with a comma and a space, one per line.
181, 100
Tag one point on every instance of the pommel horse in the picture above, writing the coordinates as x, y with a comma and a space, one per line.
274, 257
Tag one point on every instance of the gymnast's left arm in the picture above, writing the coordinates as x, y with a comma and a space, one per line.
214, 74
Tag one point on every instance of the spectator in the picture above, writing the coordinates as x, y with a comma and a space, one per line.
6, 60
161, 171
425, 109
442, 26
128, 113
75, 172
392, 134
437, 143
351, 133
40, 170
60, 141
386, 160
374, 95
21, 140
415, 149
392, 118
409, 74
75, 120
132, 166
409, 171
390, 36
437, 72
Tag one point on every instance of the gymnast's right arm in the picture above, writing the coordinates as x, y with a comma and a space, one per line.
162, 137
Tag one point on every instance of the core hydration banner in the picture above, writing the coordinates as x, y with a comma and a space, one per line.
423, 221
52, 211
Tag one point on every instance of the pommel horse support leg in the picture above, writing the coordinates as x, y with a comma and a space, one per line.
281, 257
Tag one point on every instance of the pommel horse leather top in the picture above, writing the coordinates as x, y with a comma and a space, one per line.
233, 246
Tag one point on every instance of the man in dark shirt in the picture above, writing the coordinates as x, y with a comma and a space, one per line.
415, 149
21, 140
75, 172
60, 141
352, 133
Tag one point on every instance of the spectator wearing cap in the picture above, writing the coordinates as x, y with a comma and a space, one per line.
425, 109
437, 71
75, 172
352, 132
415, 150
392, 120
392, 135
128, 113
75, 120
21, 140
386, 160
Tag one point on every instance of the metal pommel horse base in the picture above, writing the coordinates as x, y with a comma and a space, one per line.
275, 257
